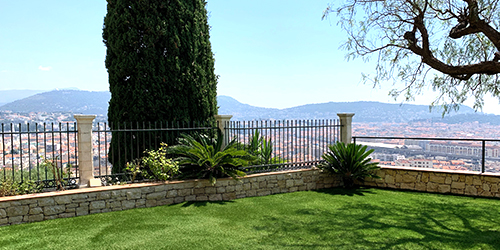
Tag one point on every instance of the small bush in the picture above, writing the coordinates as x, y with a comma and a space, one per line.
154, 165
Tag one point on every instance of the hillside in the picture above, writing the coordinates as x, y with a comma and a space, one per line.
7, 96
73, 101
87, 102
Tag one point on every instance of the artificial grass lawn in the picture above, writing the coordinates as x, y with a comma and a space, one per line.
324, 219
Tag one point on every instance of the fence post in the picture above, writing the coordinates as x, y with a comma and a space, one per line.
222, 121
85, 162
346, 127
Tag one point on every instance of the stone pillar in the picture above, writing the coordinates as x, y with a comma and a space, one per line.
346, 129
222, 122
85, 162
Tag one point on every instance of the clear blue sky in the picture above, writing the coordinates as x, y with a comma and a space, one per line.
269, 53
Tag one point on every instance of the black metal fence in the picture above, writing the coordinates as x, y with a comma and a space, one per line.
138, 136
295, 143
478, 155
44, 153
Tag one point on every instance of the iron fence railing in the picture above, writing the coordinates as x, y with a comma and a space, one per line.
139, 136
45, 153
466, 154
295, 143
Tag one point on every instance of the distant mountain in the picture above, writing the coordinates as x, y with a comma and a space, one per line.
73, 101
364, 111
88, 102
7, 96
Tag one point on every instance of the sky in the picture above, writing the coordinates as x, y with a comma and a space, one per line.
268, 53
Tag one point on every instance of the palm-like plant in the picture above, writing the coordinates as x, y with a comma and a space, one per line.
350, 161
201, 156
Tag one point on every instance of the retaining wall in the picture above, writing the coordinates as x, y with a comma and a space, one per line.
71, 203
438, 181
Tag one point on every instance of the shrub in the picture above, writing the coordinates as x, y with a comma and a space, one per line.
203, 156
350, 161
262, 149
154, 165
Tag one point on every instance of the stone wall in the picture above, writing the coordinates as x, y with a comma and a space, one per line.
438, 181
71, 203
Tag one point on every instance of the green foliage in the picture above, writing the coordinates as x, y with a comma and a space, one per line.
154, 165
202, 156
450, 47
262, 149
161, 69
351, 162
9, 188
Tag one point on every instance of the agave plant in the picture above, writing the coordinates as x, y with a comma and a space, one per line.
202, 156
350, 161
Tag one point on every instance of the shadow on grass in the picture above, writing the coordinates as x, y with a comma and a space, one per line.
203, 203
410, 223
360, 191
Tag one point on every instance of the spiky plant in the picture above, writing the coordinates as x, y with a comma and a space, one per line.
350, 161
202, 156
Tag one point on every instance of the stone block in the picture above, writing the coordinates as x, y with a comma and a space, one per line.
264, 193
103, 195
17, 211
210, 190
444, 188
3, 213
202, 198
173, 193
262, 184
46, 202
409, 178
35, 217
476, 181
140, 203
215, 197
15, 220
54, 210
34, 210
420, 186
399, 178
4, 221
161, 188
156, 195
221, 190
133, 194
289, 183
293, 189
230, 189
389, 179
470, 190
409, 185
486, 187
150, 203
97, 205
251, 193
468, 180
67, 215
437, 179
128, 204
190, 198
458, 185
179, 199
494, 188
432, 187
492, 180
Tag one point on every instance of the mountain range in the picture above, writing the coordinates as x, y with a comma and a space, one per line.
96, 102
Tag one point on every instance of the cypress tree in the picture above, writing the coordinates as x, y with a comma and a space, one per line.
161, 69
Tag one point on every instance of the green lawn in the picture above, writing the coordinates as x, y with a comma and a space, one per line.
325, 219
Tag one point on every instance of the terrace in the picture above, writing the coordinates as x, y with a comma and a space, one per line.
299, 143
